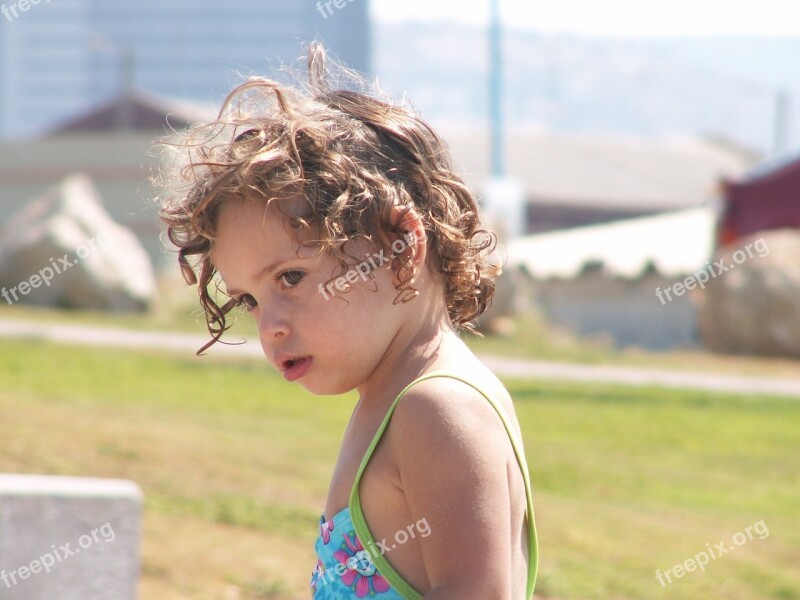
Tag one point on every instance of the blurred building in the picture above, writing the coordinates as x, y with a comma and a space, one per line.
571, 180
612, 221
58, 59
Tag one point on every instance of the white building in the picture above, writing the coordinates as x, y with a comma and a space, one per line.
616, 279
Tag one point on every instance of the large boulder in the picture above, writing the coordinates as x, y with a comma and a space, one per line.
753, 307
63, 249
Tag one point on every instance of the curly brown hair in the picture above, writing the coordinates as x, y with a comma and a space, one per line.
353, 157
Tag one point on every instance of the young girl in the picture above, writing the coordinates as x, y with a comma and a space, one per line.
337, 221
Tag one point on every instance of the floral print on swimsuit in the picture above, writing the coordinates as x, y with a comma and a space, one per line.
344, 568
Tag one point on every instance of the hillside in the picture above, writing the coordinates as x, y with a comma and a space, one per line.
723, 85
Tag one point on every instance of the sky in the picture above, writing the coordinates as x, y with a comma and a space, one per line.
616, 18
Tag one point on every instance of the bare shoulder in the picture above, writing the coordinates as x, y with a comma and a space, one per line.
454, 461
443, 412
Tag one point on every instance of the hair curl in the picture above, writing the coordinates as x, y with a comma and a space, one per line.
352, 157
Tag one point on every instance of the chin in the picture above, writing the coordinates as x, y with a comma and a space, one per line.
326, 388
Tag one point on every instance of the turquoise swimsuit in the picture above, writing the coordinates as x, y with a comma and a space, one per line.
346, 569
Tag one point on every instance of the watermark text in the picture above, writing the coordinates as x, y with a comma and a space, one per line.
359, 561
13, 10
325, 7
58, 554
711, 270
369, 264
57, 266
702, 558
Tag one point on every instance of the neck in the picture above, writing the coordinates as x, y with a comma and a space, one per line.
414, 349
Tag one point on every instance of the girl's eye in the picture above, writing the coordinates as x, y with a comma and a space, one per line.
291, 278
247, 302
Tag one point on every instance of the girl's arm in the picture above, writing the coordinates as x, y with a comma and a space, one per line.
451, 454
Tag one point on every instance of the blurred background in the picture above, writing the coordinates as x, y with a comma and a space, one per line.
562, 118
641, 165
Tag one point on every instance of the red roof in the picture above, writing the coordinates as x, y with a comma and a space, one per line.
767, 199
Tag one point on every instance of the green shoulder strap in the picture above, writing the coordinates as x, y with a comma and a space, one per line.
365, 535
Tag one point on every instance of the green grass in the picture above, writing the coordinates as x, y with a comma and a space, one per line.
629, 481
235, 462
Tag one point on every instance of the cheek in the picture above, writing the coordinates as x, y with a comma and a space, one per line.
359, 287
372, 299
365, 310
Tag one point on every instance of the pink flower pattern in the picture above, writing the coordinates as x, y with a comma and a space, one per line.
360, 571
325, 528
346, 570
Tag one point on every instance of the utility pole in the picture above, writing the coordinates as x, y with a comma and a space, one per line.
125, 56
495, 90
780, 139
127, 74
504, 196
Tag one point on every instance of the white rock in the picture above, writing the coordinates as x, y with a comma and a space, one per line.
63, 249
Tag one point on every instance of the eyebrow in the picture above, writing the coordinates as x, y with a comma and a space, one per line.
265, 271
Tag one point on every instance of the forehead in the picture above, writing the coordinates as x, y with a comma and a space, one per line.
253, 230
247, 216
277, 213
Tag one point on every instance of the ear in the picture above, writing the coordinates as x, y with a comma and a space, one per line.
413, 239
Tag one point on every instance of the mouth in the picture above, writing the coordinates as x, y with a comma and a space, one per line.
294, 368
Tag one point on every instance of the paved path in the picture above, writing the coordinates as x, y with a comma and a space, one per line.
509, 367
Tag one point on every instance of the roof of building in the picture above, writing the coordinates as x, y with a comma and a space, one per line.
619, 172
673, 244
771, 167
136, 111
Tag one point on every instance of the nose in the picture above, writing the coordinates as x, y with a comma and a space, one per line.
272, 327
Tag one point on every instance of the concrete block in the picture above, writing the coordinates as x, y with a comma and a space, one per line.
67, 538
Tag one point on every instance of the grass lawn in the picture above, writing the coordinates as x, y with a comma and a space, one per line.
234, 464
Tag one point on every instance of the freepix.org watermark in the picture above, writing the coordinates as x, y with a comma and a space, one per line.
703, 276
45, 275
361, 560
701, 559
401, 537
326, 7
369, 264
13, 10
47, 561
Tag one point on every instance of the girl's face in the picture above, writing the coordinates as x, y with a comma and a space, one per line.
327, 340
